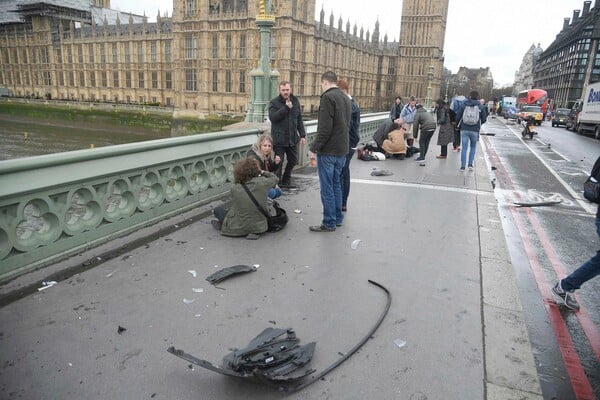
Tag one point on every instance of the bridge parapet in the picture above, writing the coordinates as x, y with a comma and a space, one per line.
56, 205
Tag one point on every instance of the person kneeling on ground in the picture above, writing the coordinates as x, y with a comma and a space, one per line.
395, 145
262, 151
244, 218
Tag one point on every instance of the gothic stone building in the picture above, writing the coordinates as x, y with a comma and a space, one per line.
200, 58
572, 61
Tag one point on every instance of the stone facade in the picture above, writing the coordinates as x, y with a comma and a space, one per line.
525, 74
200, 59
572, 61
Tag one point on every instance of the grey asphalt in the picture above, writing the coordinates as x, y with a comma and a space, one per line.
431, 235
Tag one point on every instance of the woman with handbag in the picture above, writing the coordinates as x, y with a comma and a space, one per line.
565, 288
262, 150
246, 217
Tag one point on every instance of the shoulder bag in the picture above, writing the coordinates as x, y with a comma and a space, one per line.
275, 222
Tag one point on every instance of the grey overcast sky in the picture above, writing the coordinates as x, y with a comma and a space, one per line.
479, 33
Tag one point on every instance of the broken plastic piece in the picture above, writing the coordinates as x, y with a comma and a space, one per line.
381, 172
268, 356
355, 244
120, 329
47, 284
298, 211
399, 342
198, 290
191, 271
188, 301
227, 272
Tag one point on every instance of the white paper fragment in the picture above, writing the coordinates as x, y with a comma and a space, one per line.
256, 265
298, 211
47, 284
188, 301
355, 244
198, 315
191, 271
217, 266
198, 290
399, 342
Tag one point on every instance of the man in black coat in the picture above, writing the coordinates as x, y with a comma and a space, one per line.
287, 129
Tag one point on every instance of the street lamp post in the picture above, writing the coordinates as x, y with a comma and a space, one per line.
429, 80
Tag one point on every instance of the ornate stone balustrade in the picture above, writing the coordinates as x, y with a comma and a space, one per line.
56, 205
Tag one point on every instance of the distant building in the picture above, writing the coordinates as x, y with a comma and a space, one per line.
200, 59
468, 79
572, 61
524, 76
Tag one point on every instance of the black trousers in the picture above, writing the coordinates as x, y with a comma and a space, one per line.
291, 157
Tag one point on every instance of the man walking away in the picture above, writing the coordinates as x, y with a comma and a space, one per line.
354, 139
330, 148
457, 102
287, 129
565, 288
470, 118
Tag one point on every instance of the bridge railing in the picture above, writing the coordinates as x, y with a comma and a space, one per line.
54, 206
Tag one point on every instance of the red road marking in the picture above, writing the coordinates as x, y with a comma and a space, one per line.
576, 372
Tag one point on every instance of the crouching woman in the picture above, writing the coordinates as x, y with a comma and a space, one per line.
244, 218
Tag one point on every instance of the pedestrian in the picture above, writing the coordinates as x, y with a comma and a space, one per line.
262, 151
330, 148
565, 288
396, 108
244, 218
457, 102
470, 117
426, 122
287, 129
445, 120
408, 116
354, 138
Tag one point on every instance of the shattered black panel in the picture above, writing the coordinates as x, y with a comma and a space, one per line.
225, 273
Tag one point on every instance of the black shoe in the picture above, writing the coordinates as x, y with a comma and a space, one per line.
321, 228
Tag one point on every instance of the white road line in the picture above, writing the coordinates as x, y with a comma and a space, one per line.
412, 185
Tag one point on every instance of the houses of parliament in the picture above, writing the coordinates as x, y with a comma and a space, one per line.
200, 59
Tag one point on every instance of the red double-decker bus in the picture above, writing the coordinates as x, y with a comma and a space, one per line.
533, 97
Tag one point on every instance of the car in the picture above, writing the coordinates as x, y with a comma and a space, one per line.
560, 117
533, 111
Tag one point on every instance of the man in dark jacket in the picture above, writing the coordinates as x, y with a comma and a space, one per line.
425, 121
469, 133
354, 139
287, 129
331, 146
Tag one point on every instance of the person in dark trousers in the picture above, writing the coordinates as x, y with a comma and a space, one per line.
331, 146
396, 108
287, 129
469, 133
426, 121
566, 287
354, 139
457, 101
446, 120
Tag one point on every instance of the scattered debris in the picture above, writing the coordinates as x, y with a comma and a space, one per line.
198, 290
188, 301
120, 329
355, 244
538, 203
494, 168
381, 172
47, 284
227, 272
399, 342
298, 211
191, 271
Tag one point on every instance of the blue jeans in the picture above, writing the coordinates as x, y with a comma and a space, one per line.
587, 271
274, 193
468, 138
330, 180
346, 178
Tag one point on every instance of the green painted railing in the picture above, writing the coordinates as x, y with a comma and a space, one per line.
56, 205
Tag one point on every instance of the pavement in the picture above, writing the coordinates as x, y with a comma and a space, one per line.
431, 235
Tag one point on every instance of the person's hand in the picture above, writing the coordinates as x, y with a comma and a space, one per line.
289, 104
303, 140
277, 159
